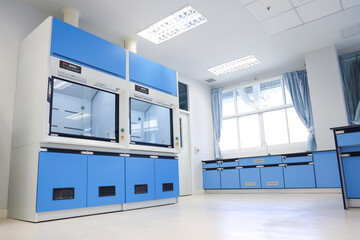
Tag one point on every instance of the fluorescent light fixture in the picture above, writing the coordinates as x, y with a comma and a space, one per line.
60, 85
235, 65
78, 116
173, 25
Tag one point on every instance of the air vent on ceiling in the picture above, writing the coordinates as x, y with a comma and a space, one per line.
210, 80
350, 31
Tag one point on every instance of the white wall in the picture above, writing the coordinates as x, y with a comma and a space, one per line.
16, 21
326, 93
201, 127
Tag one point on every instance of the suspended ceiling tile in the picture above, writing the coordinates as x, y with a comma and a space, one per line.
245, 2
318, 9
263, 9
350, 3
298, 3
281, 22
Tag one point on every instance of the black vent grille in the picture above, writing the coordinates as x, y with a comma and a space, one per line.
106, 191
140, 189
168, 187
63, 193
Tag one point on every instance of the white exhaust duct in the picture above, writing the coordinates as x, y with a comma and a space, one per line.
130, 44
71, 16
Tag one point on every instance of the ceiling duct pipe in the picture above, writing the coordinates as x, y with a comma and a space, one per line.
130, 44
71, 16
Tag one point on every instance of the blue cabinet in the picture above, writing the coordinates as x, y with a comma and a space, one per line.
351, 167
75, 45
166, 178
61, 181
272, 177
151, 74
250, 178
299, 176
140, 179
326, 169
230, 178
106, 180
211, 179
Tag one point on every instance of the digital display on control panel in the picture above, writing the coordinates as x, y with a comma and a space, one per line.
141, 89
70, 66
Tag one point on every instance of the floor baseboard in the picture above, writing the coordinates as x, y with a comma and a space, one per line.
277, 191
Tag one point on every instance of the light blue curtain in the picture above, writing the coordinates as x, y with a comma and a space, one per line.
216, 106
297, 83
350, 67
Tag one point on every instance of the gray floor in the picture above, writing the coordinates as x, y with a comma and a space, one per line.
208, 216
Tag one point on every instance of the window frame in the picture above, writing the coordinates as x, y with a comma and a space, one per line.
264, 147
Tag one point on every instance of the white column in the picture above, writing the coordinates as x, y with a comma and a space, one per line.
71, 16
326, 94
130, 44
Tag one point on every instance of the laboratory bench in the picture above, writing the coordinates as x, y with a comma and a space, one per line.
286, 171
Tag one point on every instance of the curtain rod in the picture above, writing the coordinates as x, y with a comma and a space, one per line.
271, 75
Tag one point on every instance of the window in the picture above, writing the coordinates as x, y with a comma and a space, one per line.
259, 114
183, 96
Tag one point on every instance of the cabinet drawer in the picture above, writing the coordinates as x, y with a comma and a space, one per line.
266, 160
298, 159
229, 164
348, 139
210, 165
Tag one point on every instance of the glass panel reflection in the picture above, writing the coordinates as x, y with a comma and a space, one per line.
150, 124
85, 112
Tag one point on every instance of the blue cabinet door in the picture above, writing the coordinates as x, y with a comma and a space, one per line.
230, 178
106, 180
250, 178
326, 169
351, 167
151, 74
76, 45
299, 176
166, 178
272, 177
61, 181
140, 179
211, 179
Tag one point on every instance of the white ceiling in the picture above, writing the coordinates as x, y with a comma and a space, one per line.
278, 37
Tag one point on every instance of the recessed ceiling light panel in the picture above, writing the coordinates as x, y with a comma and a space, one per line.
235, 65
173, 25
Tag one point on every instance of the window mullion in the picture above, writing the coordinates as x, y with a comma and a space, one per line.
262, 129
287, 125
